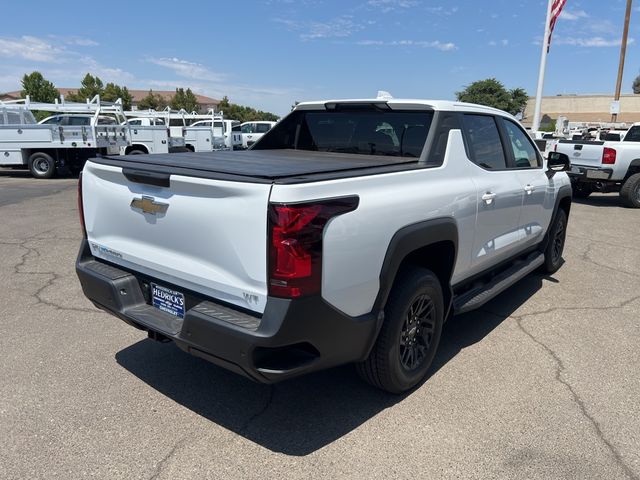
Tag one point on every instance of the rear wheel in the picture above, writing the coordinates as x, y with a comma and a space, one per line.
136, 152
630, 191
410, 334
555, 247
41, 165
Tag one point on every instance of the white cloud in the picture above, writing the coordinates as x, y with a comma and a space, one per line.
597, 42
339, 27
386, 6
573, 14
187, 69
31, 48
437, 44
446, 12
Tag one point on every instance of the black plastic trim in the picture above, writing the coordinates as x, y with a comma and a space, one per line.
157, 179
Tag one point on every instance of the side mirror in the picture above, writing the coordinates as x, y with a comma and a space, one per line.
558, 162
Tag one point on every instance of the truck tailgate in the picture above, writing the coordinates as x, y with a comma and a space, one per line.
209, 239
588, 154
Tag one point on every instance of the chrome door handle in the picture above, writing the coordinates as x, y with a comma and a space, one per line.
488, 197
529, 189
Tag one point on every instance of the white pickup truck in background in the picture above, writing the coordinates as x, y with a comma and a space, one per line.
349, 233
605, 166
253, 131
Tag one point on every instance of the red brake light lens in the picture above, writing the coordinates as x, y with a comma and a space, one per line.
295, 244
608, 156
81, 206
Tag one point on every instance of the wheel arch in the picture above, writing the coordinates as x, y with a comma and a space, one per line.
136, 146
431, 244
563, 201
634, 167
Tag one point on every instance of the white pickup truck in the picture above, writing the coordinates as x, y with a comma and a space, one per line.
349, 233
606, 166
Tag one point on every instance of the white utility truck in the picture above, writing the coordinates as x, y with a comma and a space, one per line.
349, 233
181, 135
228, 130
150, 134
46, 148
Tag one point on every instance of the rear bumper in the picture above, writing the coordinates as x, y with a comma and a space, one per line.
588, 174
293, 337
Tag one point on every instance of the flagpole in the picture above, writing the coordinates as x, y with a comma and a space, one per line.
543, 65
623, 52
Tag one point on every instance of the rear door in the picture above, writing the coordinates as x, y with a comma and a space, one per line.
499, 197
204, 235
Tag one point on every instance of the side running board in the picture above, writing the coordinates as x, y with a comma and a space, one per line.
478, 296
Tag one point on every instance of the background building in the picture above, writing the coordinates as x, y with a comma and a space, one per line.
583, 108
204, 103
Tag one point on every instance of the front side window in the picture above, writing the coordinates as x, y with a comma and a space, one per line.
78, 121
135, 122
524, 153
248, 128
52, 121
13, 118
484, 142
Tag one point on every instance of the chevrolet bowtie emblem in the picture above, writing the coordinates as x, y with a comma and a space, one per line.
149, 205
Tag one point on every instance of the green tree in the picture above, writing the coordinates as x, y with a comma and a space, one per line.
38, 88
184, 100
90, 86
113, 92
243, 114
152, 101
492, 93
636, 85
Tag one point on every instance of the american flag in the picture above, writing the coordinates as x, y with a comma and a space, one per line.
556, 9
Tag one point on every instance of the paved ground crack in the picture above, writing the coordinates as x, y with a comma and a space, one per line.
586, 258
160, 466
560, 367
245, 428
578, 401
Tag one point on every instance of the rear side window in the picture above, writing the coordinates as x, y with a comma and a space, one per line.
135, 122
236, 127
524, 153
484, 143
633, 135
78, 120
248, 128
366, 131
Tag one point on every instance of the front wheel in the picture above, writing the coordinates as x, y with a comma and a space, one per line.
410, 334
41, 165
555, 246
630, 191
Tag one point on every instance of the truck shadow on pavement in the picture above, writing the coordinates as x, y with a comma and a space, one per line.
302, 415
600, 201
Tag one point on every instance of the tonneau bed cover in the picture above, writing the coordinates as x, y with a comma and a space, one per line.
261, 166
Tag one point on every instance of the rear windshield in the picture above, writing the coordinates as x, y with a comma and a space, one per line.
633, 135
361, 131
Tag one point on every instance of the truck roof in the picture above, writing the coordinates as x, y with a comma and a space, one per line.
405, 104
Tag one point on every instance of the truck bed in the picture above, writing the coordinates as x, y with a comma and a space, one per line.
263, 166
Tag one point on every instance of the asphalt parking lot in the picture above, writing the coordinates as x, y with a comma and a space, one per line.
543, 382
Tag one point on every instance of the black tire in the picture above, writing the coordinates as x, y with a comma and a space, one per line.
41, 165
410, 334
630, 191
582, 190
137, 152
557, 235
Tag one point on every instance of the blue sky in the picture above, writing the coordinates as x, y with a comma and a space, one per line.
270, 53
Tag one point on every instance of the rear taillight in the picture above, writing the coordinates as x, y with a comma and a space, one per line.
295, 244
608, 156
81, 207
